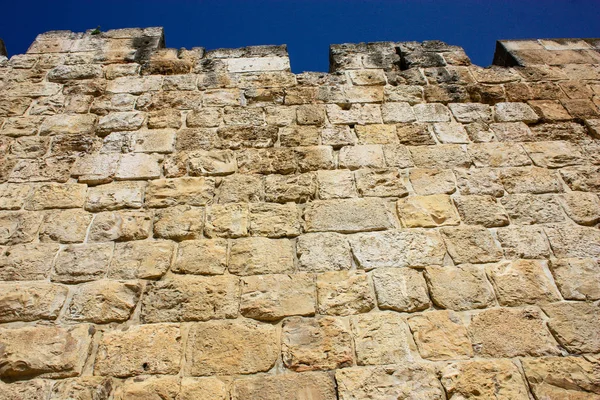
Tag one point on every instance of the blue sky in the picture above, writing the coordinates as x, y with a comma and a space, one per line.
309, 26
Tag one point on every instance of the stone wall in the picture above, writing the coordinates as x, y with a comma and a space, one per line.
191, 224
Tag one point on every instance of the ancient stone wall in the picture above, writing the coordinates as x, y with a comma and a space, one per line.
191, 224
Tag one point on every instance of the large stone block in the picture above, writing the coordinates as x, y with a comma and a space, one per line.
171, 192
308, 385
258, 256
141, 259
27, 262
201, 257
104, 301
324, 251
30, 301
462, 287
344, 293
400, 289
351, 215
82, 262
441, 335
471, 245
577, 279
575, 325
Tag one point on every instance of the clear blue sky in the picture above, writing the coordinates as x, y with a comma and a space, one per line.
309, 26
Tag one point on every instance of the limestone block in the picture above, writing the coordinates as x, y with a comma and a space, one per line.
348, 215
380, 183
561, 377
27, 262
21, 126
365, 156
530, 180
411, 94
153, 141
450, 132
243, 116
227, 220
164, 119
526, 209
308, 385
432, 181
272, 297
405, 381
321, 343
554, 154
104, 301
583, 208
400, 289
115, 196
235, 137
432, 112
241, 188
480, 132
310, 114
441, 335
336, 184
523, 242
171, 192
13, 195
30, 301
471, 112
321, 252
18, 226
376, 134
89, 387
399, 248
512, 132
179, 223
141, 349
370, 77
440, 156
481, 181
55, 168
68, 226
481, 210
576, 325
511, 332
82, 262
513, 112
138, 166
231, 347
397, 155
497, 155
95, 168
120, 226
190, 298
141, 259
461, 287
13, 106
120, 121
299, 136
397, 113
573, 241
149, 387
45, 351
415, 134
380, 338
55, 195
258, 255
549, 110
471, 244
312, 158
295, 188
281, 160
65, 124
209, 388
356, 114
344, 293
201, 257
275, 220
134, 84
214, 162
427, 211
482, 379
577, 279
205, 117
582, 178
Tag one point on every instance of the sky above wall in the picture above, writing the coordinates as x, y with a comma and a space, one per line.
308, 27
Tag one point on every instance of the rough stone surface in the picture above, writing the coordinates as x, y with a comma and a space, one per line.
575, 325
344, 293
104, 301
308, 385
380, 338
400, 289
463, 287
441, 335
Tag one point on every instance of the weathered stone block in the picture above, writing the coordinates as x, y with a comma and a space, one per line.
400, 289
258, 256
171, 192
69, 226
201, 257
275, 220
115, 196
523, 242
573, 241
349, 215
527, 209
19, 226
380, 183
179, 223
462, 287
583, 208
471, 245
30, 301
441, 335
432, 181
27, 262
295, 188
214, 162
336, 184
82, 262
575, 325
513, 112
440, 156
497, 155
104, 301
577, 279
481, 210
365, 156
138, 166
227, 220
380, 338
427, 211
141, 259
481, 181
321, 252
120, 226
344, 293
530, 180
376, 134
308, 385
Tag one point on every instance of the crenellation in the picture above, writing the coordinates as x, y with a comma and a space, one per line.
194, 223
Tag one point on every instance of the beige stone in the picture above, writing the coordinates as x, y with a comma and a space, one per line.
471, 112
138, 166
115, 196
414, 134
363, 156
432, 181
336, 184
13, 195
498, 155
171, 192
569, 241
321, 343
275, 220
440, 156
55, 195
405, 381
450, 132
481, 210
45, 351
344, 293
89, 387
27, 262
380, 183
82, 262
120, 226
350, 215
227, 220
356, 114
576, 325
562, 377
104, 301
530, 180
240, 188
18, 226
69, 226
400, 248
397, 155
235, 137
190, 298
431, 112
498, 379
441, 335
583, 208
554, 154
95, 168
400, 289
471, 245
380, 338
320, 252
313, 158
213, 162
164, 119
376, 134
338, 136
209, 388
480, 181
295, 188
65, 124
231, 347
120, 121
202, 257
205, 117
141, 349
523, 242
141, 259
462, 287
153, 141
30, 301
397, 112
512, 112
149, 387
179, 223
581, 178
257, 256
279, 160
527, 209
427, 211
577, 279
272, 297
511, 332
305, 386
